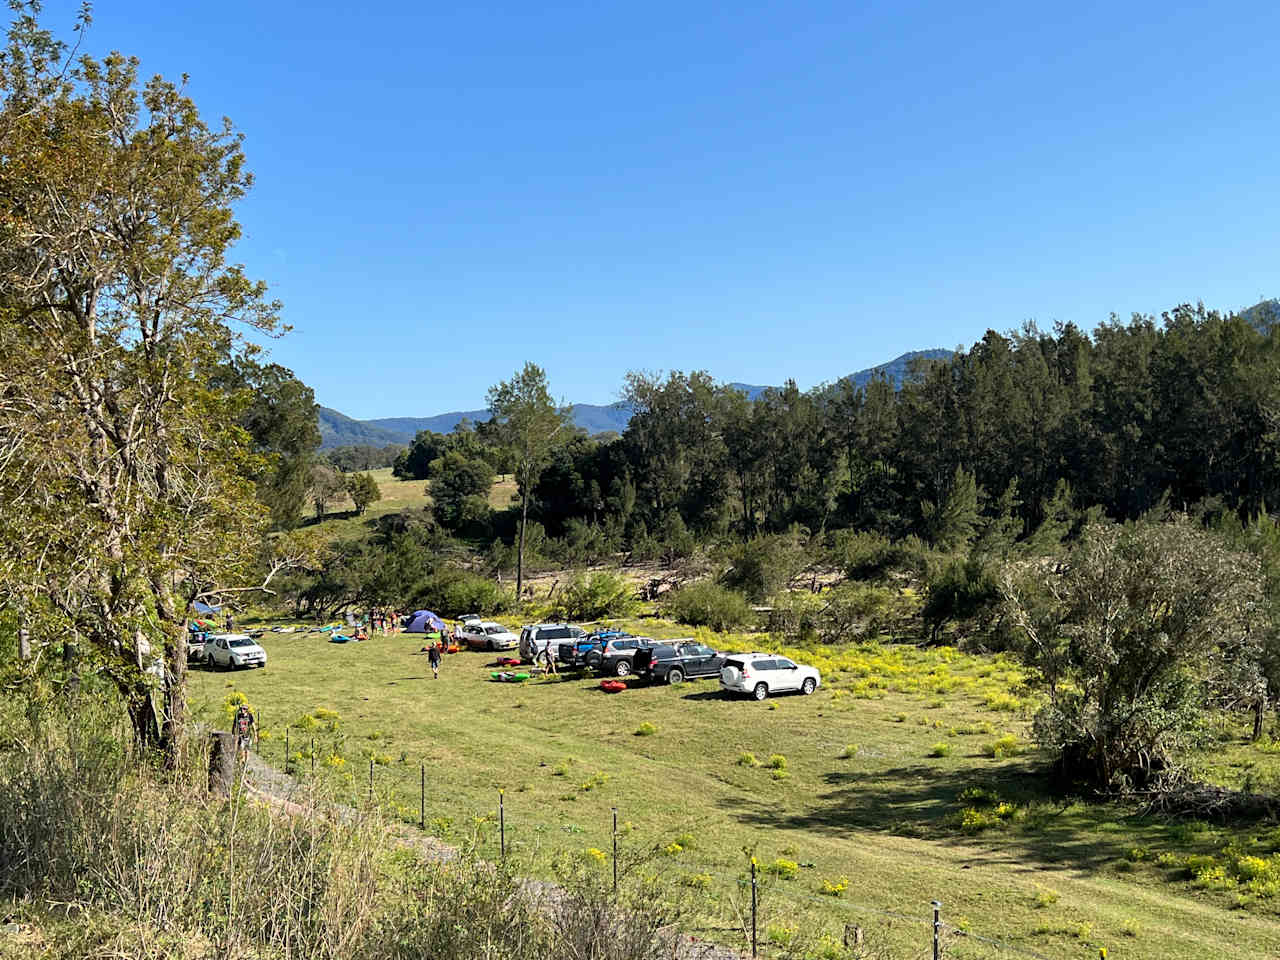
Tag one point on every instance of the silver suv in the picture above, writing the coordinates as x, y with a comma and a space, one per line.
534, 639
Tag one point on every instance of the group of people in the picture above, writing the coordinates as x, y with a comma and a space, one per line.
385, 622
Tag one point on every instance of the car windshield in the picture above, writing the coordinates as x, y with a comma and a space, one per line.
494, 628
242, 643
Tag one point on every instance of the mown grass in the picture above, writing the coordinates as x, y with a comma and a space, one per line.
969, 826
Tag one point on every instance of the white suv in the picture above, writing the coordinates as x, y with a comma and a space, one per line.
534, 639
761, 674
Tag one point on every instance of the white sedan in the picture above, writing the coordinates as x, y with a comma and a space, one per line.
487, 635
230, 650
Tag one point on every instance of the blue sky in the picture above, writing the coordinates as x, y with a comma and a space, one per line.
761, 190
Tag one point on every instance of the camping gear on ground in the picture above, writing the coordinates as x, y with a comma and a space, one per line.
506, 676
452, 649
424, 621
507, 662
612, 686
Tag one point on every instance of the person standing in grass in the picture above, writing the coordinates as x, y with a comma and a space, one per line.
433, 654
551, 660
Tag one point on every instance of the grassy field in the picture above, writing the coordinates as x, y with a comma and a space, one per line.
397, 495
902, 780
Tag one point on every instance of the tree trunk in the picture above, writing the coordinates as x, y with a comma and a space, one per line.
222, 763
142, 714
524, 516
175, 700
71, 668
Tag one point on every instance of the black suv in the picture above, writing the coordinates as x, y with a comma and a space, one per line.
676, 661
614, 658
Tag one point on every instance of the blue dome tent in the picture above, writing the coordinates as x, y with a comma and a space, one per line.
424, 621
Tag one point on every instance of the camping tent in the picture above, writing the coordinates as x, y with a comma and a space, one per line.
204, 608
424, 621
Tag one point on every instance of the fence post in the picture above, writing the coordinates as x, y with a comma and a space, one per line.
371, 781
937, 930
24, 643
313, 756
615, 850
422, 796
753, 906
286, 749
502, 826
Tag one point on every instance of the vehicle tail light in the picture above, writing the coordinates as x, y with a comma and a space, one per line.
653, 663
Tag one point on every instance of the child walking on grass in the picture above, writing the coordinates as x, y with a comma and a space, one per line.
433, 654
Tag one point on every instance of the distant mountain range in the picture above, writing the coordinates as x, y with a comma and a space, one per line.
339, 430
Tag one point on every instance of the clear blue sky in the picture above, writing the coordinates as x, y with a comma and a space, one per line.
761, 190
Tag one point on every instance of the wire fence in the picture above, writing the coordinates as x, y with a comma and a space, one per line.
759, 930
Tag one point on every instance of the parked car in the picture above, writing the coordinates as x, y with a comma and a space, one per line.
574, 654
486, 635
760, 674
196, 640
234, 650
674, 661
534, 638
614, 658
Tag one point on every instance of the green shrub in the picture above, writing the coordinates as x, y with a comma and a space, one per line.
1006, 746
452, 592
1046, 897
593, 597
763, 566
849, 752
778, 762
940, 749
783, 869
1004, 702
646, 729
707, 604
747, 759
872, 556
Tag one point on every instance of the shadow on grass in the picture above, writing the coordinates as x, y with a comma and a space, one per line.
923, 802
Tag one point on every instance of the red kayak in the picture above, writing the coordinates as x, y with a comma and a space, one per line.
612, 686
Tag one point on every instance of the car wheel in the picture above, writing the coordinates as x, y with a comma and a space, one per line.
621, 668
675, 676
493, 647
808, 686
760, 692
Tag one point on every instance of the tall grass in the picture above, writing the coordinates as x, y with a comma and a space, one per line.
148, 864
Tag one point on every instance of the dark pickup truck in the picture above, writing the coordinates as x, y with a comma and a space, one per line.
676, 661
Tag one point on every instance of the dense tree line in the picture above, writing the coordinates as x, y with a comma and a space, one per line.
1019, 426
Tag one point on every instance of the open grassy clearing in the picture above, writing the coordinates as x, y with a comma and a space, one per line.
887, 782
397, 495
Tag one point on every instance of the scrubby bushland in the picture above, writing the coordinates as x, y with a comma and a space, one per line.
451, 592
845, 612
764, 566
144, 866
593, 596
707, 604
872, 556
962, 588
